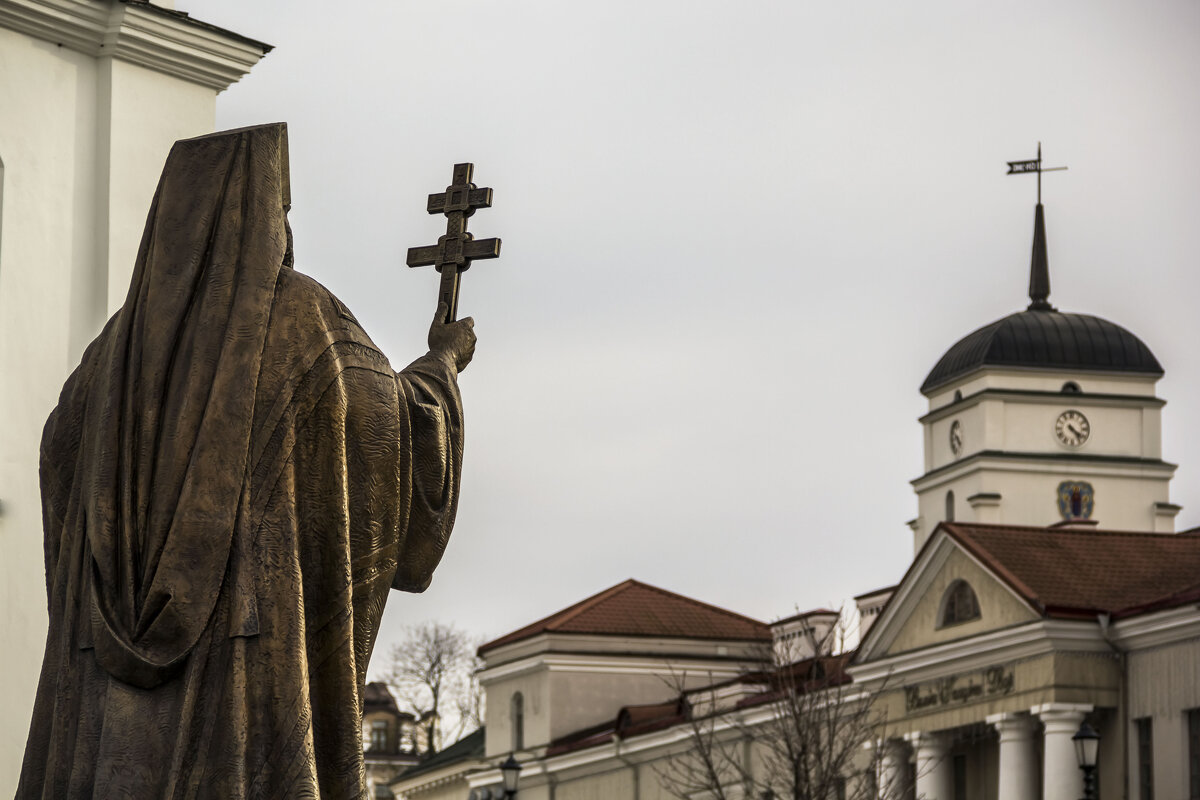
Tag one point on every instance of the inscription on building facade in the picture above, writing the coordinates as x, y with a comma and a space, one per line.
959, 689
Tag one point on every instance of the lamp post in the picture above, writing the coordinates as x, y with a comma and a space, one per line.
1087, 748
511, 772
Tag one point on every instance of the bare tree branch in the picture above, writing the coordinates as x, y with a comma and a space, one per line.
809, 731
430, 672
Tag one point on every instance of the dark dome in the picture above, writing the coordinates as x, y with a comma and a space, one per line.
1046, 340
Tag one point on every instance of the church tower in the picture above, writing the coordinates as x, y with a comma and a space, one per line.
1045, 417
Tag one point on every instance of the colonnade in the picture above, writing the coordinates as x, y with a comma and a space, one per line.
929, 752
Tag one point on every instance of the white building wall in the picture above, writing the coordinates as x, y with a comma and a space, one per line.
1163, 685
82, 142
1125, 419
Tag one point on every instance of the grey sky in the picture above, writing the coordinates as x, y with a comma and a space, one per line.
737, 235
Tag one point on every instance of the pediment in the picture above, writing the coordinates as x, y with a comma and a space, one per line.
913, 617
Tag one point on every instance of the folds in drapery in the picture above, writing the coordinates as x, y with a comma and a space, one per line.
233, 479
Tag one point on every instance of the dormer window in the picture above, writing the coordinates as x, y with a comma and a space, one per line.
379, 736
959, 604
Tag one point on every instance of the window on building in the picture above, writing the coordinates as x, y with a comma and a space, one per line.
518, 721
1071, 387
949, 506
379, 735
957, 395
959, 604
1193, 751
1145, 757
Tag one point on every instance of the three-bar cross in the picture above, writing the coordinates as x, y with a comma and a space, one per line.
453, 253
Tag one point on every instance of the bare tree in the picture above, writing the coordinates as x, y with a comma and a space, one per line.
430, 671
794, 728
468, 703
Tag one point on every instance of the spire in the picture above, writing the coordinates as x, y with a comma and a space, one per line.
1039, 266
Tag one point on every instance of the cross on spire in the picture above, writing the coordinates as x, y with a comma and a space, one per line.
1039, 266
453, 253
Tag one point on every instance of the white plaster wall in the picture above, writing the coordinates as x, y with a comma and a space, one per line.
75, 198
535, 688
48, 235
1115, 430
149, 111
1118, 428
1163, 686
1129, 425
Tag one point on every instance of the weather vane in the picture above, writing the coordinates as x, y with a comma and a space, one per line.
453, 253
1021, 167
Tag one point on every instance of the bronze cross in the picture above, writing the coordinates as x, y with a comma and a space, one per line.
453, 253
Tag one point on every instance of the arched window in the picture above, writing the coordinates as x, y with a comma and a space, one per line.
957, 395
959, 604
1071, 387
949, 506
517, 713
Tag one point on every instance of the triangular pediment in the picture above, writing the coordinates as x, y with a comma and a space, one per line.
914, 617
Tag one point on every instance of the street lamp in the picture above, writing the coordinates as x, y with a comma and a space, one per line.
511, 771
1087, 748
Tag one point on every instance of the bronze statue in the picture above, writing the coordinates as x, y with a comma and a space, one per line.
233, 480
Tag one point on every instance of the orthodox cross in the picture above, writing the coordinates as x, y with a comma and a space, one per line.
1021, 167
453, 253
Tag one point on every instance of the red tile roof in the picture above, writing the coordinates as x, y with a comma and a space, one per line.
1080, 573
633, 608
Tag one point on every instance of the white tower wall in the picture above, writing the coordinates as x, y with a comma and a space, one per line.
93, 95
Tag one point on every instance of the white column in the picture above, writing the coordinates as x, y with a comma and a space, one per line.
1018, 761
1063, 778
893, 769
935, 772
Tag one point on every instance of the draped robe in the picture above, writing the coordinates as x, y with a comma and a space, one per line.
232, 481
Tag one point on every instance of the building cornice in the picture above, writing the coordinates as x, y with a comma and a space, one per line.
1157, 628
599, 663
1001, 460
1013, 369
1033, 396
139, 33
1015, 643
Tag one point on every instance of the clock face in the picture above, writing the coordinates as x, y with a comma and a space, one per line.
956, 437
1072, 428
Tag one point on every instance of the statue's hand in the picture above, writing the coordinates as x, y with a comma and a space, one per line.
454, 342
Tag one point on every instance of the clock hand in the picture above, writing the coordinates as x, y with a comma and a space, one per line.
1073, 429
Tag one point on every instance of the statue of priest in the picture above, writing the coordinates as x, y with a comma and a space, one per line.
233, 480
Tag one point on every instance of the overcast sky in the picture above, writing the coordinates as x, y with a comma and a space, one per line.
737, 235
